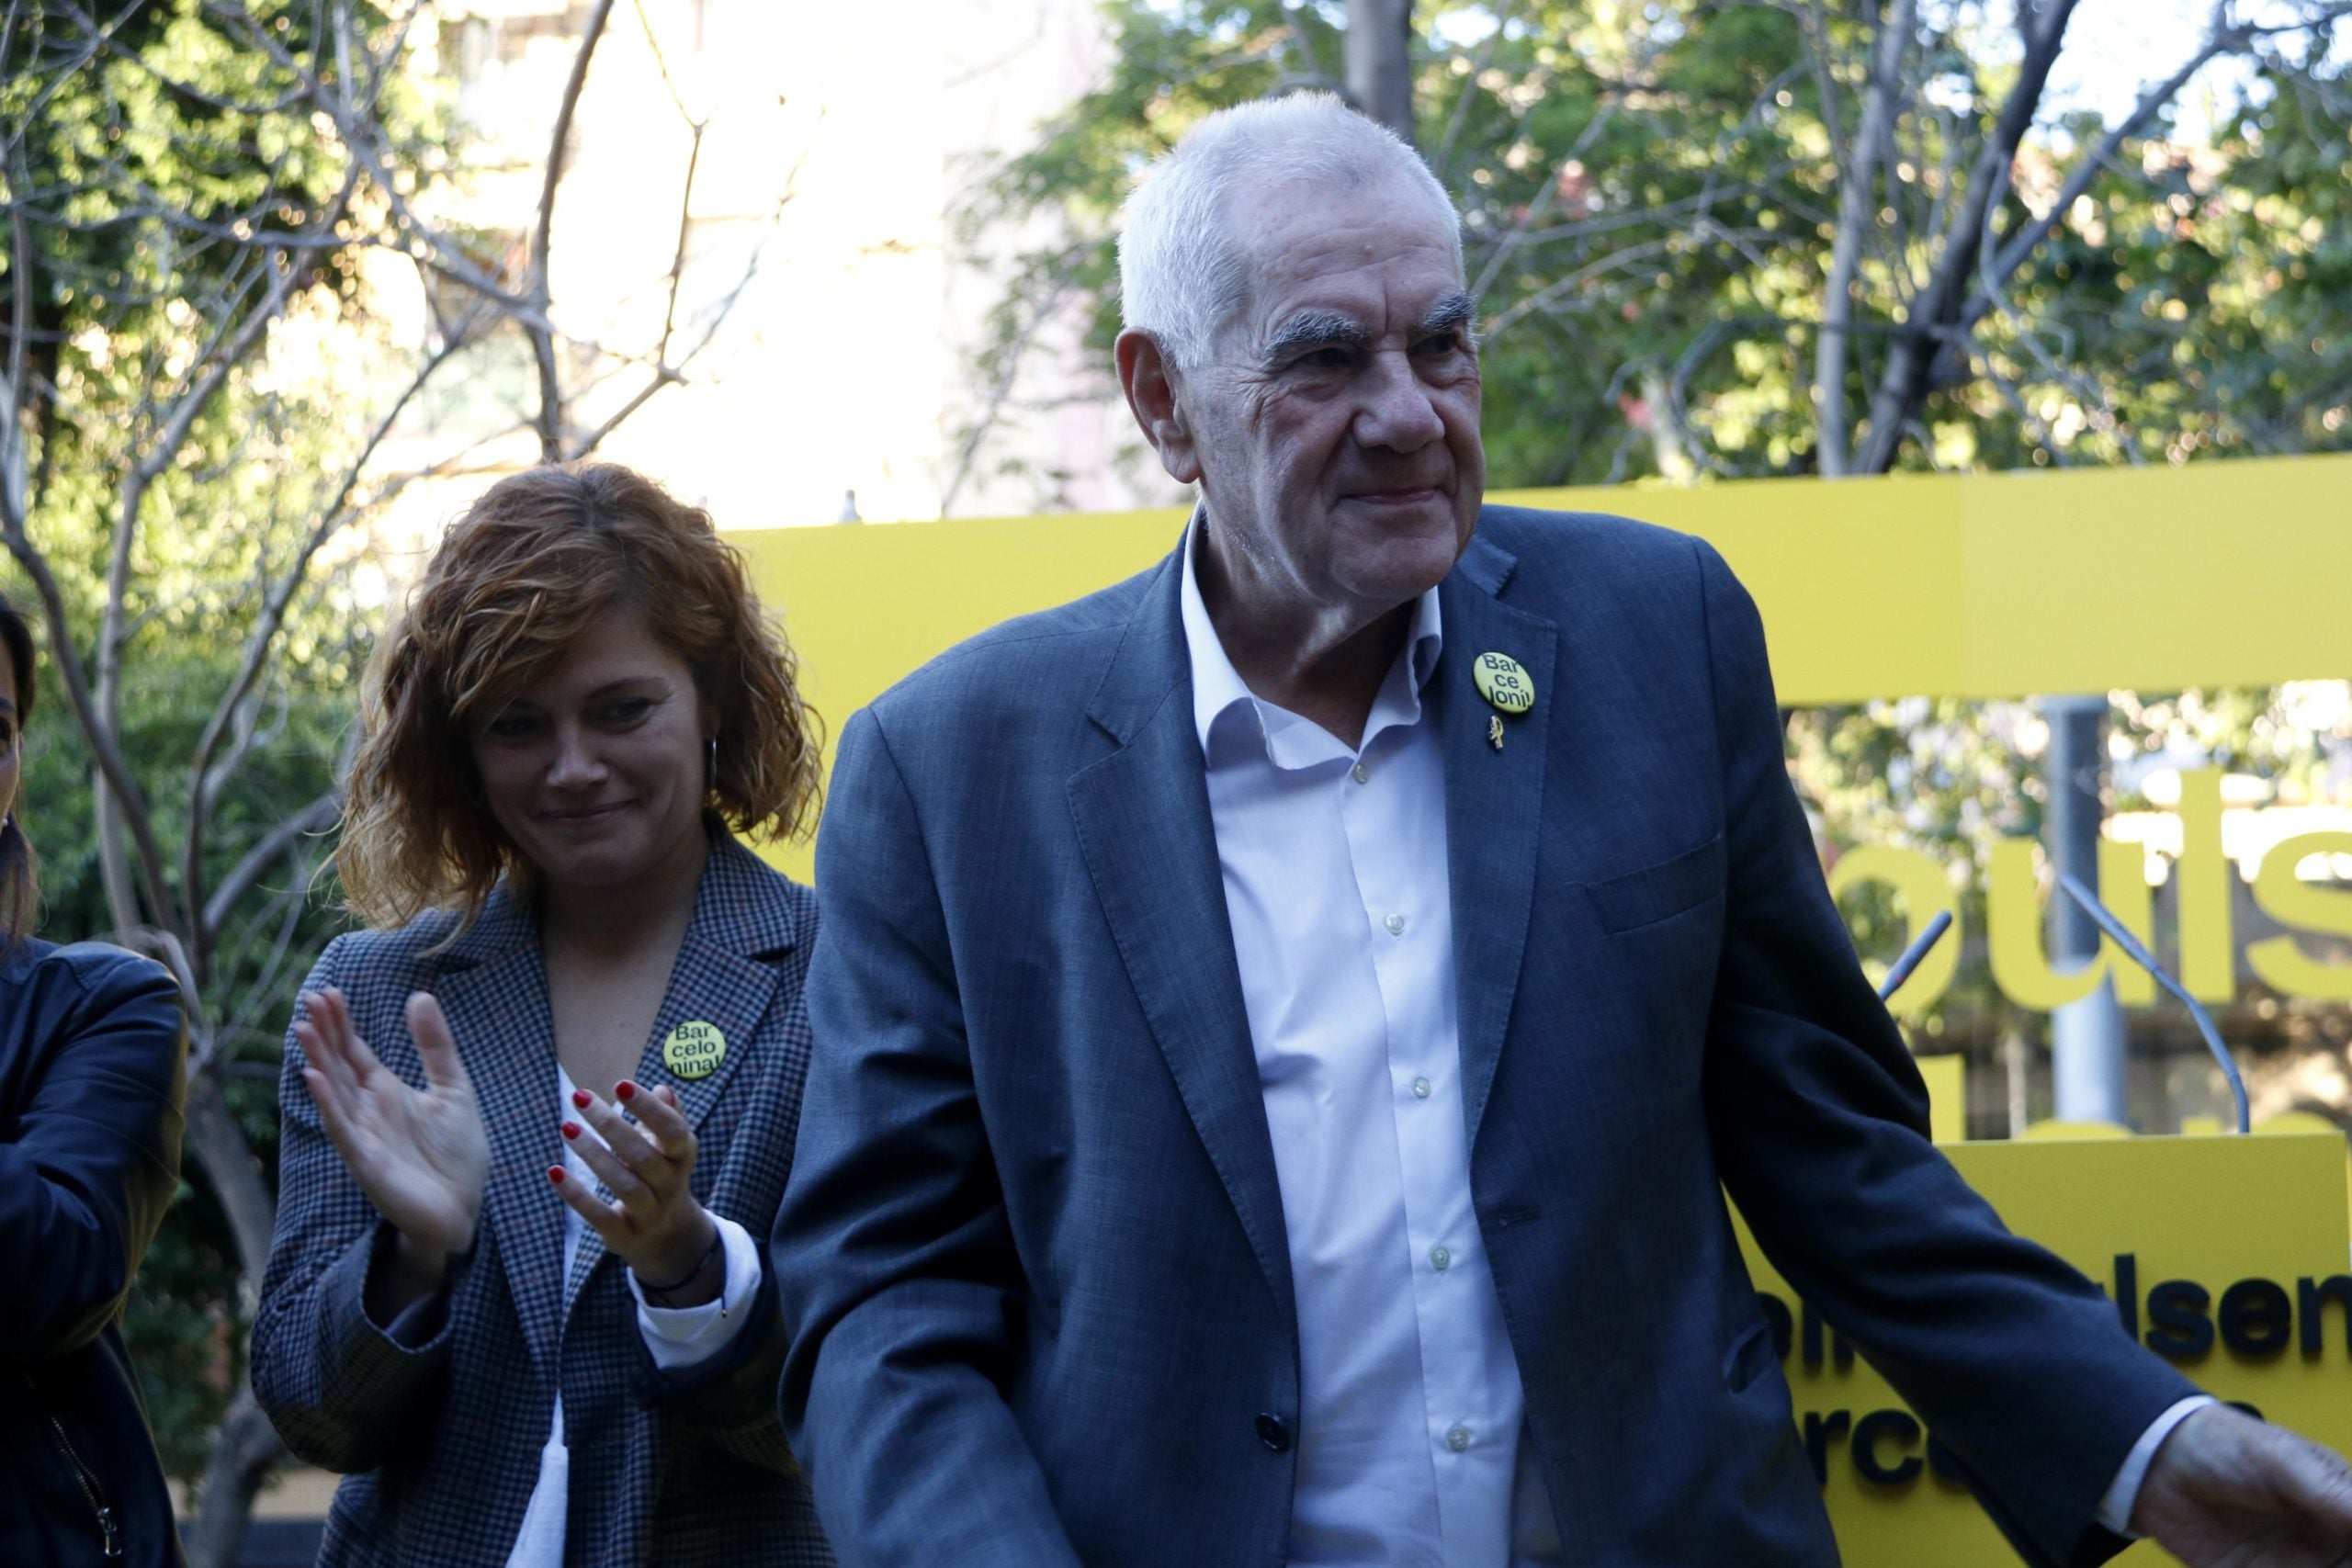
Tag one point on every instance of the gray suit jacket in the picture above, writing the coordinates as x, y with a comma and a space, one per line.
1033, 1258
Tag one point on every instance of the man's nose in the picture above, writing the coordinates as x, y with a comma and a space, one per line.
1396, 411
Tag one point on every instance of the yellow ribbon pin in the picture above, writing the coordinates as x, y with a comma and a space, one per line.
694, 1049
1503, 683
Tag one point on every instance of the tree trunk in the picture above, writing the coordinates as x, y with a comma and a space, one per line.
244, 1450
1380, 70
231, 1166
245, 1447
1857, 213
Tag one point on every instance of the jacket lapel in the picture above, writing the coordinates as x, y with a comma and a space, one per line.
493, 991
1494, 802
740, 918
1144, 826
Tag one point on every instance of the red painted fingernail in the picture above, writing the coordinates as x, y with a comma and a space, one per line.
625, 1090
554, 1174
571, 1129
581, 1096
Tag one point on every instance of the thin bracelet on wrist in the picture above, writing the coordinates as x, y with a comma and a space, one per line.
691, 1275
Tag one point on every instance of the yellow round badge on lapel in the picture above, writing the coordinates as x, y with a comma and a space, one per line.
694, 1049
1503, 683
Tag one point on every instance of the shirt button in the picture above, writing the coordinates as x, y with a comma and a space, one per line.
1420, 1088
1360, 773
1395, 924
1457, 1438
1441, 1259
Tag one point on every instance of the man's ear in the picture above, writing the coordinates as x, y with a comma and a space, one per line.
1145, 377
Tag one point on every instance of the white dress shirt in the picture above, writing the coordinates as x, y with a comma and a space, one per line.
1411, 1443
1334, 864
676, 1337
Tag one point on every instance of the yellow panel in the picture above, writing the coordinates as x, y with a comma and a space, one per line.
1858, 581
2210, 1210
865, 605
1930, 585
2210, 574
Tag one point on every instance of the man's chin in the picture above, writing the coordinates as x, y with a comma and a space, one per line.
1436, 514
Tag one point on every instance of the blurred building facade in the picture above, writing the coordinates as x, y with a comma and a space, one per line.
821, 254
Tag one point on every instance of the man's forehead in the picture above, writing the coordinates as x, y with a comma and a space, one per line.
1375, 251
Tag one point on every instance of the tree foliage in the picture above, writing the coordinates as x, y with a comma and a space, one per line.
1657, 200
225, 281
1746, 238
182, 441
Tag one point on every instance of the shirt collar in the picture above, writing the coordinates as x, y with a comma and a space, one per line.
1217, 687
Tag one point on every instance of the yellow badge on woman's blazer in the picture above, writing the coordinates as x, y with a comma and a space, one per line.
694, 1049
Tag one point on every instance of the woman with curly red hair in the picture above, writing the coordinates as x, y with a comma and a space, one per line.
537, 1118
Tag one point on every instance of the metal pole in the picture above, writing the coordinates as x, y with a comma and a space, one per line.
2086, 1040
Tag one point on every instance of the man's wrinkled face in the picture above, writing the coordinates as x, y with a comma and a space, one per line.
1336, 424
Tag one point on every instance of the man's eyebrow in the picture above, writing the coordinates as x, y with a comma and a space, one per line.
1316, 328
1457, 312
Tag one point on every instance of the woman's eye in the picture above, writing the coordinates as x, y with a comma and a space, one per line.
628, 711
510, 727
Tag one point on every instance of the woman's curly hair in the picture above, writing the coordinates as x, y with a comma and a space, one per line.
538, 561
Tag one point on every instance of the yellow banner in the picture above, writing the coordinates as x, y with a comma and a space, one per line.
2226, 1254
1977, 585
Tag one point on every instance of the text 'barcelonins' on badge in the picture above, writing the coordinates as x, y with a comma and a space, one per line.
1503, 683
694, 1049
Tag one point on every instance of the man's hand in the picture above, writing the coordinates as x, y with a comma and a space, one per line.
2227, 1491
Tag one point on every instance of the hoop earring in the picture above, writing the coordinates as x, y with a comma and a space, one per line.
710, 767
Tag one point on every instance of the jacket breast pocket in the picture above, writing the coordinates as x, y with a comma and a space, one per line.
1659, 892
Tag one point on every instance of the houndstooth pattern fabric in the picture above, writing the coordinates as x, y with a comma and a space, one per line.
440, 1443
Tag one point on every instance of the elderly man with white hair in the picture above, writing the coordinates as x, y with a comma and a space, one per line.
1285, 1025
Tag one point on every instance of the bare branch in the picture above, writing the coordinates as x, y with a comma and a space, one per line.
550, 422
2221, 37
1903, 382
83, 702
205, 780
1570, 282
1857, 213
665, 371
1008, 371
1443, 164
19, 500
1520, 231
258, 861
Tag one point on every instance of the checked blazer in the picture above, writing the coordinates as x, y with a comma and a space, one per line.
440, 1444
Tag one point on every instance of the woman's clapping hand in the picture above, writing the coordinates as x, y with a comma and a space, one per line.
420, 1156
